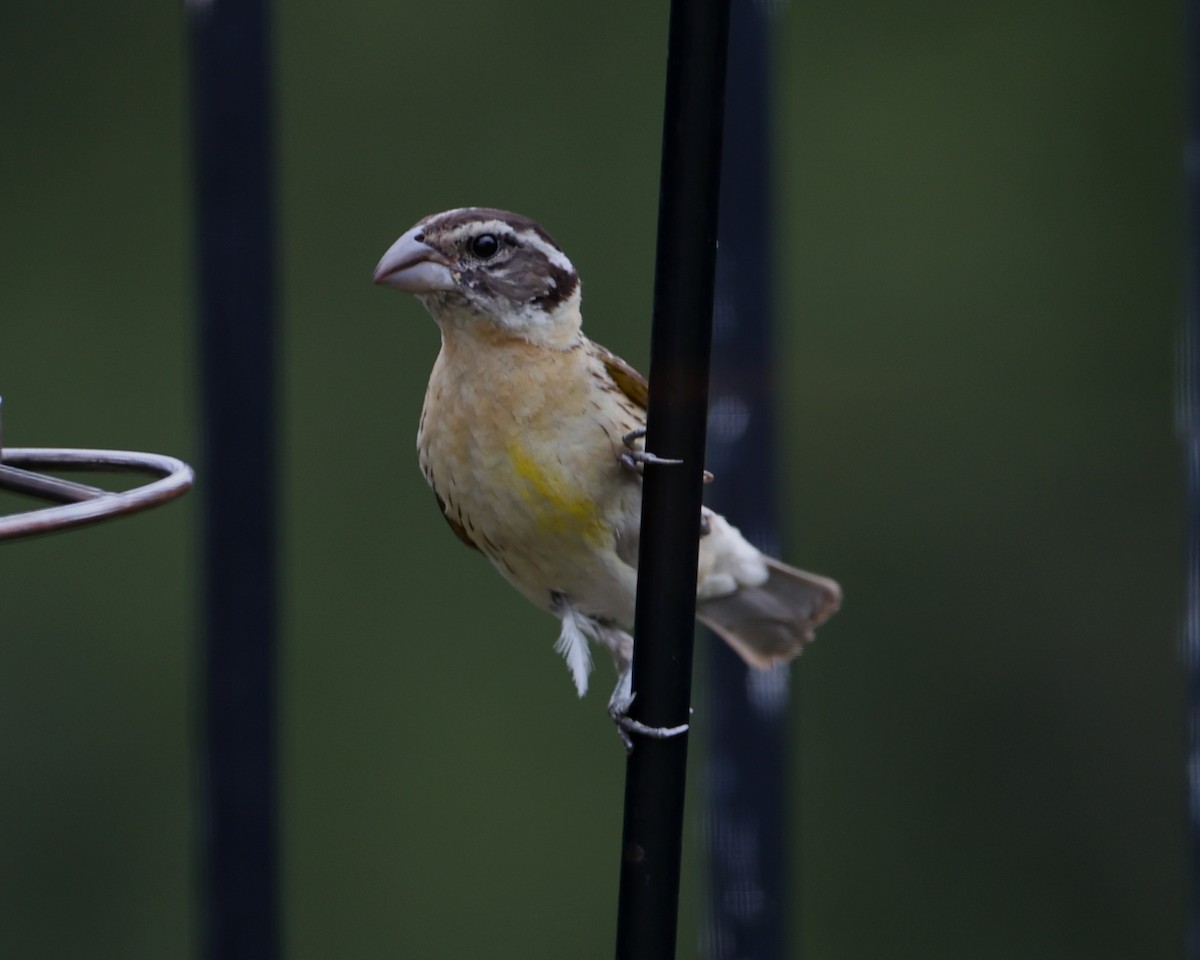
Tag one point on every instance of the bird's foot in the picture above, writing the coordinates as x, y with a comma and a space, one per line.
635, 460
618, 709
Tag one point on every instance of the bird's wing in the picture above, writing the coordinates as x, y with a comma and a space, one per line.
624, 377
459, 530
632, 392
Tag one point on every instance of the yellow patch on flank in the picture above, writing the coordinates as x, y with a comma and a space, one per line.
559, 506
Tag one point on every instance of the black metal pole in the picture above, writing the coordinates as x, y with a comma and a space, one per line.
234, 196
746, 822
680, 345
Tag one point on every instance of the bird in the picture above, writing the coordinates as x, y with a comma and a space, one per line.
531, 437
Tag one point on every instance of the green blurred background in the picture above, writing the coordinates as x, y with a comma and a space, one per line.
980, 243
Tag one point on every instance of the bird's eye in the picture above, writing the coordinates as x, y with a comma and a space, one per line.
485, 246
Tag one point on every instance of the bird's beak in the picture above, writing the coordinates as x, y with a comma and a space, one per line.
414, 267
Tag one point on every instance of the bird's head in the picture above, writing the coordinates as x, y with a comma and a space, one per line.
487, 270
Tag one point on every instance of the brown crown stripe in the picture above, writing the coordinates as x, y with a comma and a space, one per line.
519, 223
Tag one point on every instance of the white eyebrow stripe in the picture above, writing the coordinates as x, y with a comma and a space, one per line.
548, 250
480, 226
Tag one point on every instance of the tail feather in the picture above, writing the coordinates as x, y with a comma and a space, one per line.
770, 623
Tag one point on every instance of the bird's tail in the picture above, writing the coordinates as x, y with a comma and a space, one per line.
770, 623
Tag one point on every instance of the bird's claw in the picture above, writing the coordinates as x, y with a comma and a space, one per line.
618, 709
635, 460
627, 726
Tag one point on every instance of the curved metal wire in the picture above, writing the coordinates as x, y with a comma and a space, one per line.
81, 504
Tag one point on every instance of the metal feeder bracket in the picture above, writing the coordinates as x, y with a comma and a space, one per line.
79, 503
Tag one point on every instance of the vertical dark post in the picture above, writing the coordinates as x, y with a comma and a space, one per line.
679, 352
746, 825
234, 195
1190, 419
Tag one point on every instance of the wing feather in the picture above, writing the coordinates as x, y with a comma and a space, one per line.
459, 530
624, 377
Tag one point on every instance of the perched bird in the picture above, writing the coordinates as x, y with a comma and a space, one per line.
530, 437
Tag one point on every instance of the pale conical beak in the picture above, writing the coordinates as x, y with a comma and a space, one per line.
413, 266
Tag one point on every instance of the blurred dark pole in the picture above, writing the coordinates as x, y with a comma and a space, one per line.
746, 824
234, 195
680, 345
1190, 419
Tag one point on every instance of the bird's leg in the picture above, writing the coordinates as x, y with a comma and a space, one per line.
635, 460
620, 645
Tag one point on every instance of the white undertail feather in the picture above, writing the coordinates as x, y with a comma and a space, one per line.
572, 643
728, 562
